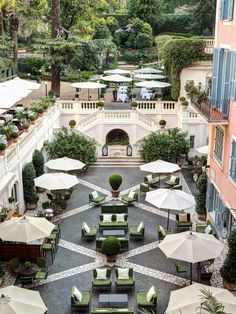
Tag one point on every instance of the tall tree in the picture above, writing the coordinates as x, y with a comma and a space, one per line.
56, 77
146, 10
14, 27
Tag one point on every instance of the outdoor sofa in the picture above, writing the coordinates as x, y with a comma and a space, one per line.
110, 310
202, 228
113, 224
118, 208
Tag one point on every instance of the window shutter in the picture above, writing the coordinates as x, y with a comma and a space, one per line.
215, 75
233, 160
233, 76
226, 85
230, 9
222, 9
209, 196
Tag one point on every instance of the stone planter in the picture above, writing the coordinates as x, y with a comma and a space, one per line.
162, 126
229, 285
2, 151
115, 194
72, 126
111, 259
30, 206
201, 217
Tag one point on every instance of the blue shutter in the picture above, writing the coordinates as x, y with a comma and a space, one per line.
224, 109
209, 196
216, 76
233, 76
222, 9
233, 161
230, 10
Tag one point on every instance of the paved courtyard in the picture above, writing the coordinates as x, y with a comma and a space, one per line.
76, 258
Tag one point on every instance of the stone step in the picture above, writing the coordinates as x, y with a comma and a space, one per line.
122, 161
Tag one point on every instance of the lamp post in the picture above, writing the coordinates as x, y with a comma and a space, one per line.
46, 89
28, 76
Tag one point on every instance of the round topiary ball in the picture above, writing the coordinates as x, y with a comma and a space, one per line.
115, 181
111, 246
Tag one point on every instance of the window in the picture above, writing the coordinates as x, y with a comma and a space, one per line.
227, 10
233, 161
219, 142
191, 140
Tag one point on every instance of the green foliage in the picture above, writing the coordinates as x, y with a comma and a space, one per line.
115, 181
11, 199
38, 162
228, 270
2, 146
201, 194
100, 104
162, 122
210, 304
32, 65
135, 56
69, 143
144, 10
168, 146
177, 54
72, 122
173, 23
28, 175
111, 246
134, 104
195, 92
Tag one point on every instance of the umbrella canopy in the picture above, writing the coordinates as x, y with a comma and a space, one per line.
88, 85
203, 150
116, 78
16, 300
188, 299
9, 96
117, 71
25, 229
65, 164
159, 166
149, 76
18, 83
170, 199
192, 247
56, 181
153, 84
148, 70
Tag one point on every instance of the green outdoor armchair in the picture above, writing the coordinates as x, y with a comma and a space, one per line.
88, 233
183, 224
124, 278
130, 198
137, 232
172, 181
151, 181
14, 265
162, 232
83, 305
144, 302
41, 274
96, 198
105, 282
202, 228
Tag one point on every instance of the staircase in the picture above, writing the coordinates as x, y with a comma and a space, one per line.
122, 161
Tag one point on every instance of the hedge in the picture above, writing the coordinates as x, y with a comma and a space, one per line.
178, 23
32, 65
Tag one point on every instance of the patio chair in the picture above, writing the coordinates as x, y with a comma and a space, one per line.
14, 265
183, 222
172, 181
41, 262
82, 305
26, 280
147, 299
137, 232
130, 198
144, 187
88, 233
162, 232
124, 278
105, 281
151, 181
180, 268
94, 197
41, 274
202, 228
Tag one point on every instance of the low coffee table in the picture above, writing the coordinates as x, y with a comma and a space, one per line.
110, 300
113, 233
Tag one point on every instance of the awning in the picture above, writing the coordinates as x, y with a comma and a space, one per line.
6, 180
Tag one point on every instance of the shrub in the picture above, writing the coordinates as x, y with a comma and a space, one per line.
11, 199
14, 134
25, 125
67, 143
134, 104
228, 270
100, 104
2, 146
162, 122
182, 98
28, 175
72, 122
174, 23
201, 194
38, 162
32, 65
111, 246
184, 103
115, 181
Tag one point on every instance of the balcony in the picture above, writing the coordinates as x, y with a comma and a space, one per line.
207, 109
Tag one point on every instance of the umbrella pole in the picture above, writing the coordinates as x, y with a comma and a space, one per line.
191, 273
167, 227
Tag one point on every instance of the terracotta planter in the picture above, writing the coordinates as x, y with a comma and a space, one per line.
72, 126
30, 206
201, 217
229, 285
115, 194
111, 259
40, 190
2, 151
162, 126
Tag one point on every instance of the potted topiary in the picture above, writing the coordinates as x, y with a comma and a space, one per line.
14, 135
30, 196
111, 247
184, 104
162, 123
2, 148
115, 181
72, 123
38, 163
134, 105
11, 201
201, 197
228, 270
76, 95
25, 126
182, 98
100, 105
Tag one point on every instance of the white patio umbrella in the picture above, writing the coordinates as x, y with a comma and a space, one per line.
188, 299
117, 71
88, 85
16, 300
152, 84
148, 70
116, 78
191, 247
170, 199
149, 76
65, 164
19, 83
25, 229
159, 166
9, 96
56, 181
203, 150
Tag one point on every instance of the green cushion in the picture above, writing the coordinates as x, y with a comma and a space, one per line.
113, 223
85, 300
133, 231
41, 275
128, 199
101, 282
98, 199
142, 299
110, 310
184, 224
93, 232
125, 282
